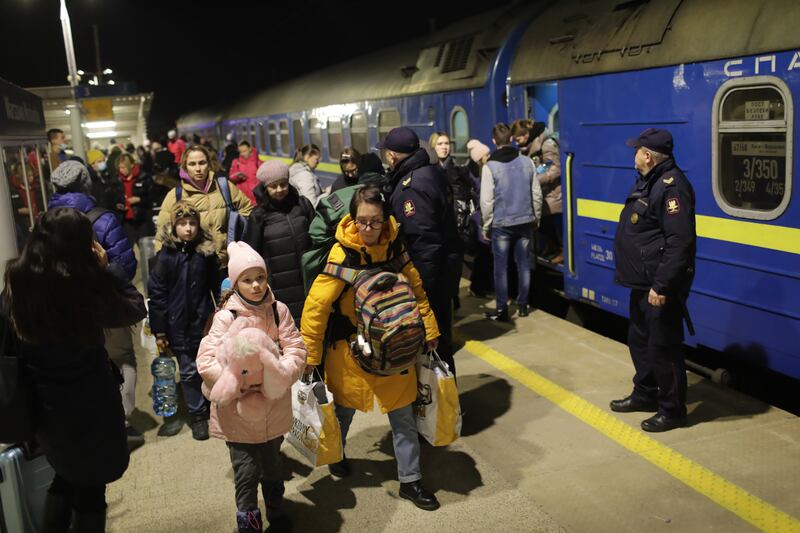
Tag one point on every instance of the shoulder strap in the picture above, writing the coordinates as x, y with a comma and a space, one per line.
224, 189
178, 193
95, 213
346, 274
275, 313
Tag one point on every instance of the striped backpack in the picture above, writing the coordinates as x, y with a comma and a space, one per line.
390, 333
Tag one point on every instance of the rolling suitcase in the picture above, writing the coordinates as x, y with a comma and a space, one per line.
24, 480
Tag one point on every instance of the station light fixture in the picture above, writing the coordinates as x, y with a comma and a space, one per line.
101, 124
108, 71
67, 112
101, 134
111, 82
81, 73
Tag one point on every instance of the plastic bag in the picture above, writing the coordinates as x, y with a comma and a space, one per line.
315, 429
437, 406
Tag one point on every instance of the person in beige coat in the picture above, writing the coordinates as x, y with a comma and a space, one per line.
201, 190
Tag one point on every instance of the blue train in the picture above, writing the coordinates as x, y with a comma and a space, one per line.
722, 76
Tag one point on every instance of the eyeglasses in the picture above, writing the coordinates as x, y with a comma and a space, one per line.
369, 224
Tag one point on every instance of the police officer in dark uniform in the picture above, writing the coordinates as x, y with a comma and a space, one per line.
654, 250
418, 194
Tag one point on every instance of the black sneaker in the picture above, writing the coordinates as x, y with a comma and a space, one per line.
172, 426
199, 428
523, 310
498, 316
340, 469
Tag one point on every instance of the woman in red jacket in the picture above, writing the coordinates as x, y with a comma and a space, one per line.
243, 170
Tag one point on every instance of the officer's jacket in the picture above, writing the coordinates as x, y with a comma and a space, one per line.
419, 200
654, 246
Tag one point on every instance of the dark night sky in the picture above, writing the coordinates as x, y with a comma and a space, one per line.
193, 54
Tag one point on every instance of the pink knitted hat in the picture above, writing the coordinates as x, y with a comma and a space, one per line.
272, 171
241, 257
477, 150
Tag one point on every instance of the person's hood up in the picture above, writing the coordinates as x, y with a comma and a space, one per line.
203, 243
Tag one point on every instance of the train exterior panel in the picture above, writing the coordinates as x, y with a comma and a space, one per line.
746, 291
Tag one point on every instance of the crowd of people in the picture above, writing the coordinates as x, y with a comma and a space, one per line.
280, 301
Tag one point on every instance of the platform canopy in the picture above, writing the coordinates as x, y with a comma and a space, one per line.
104, 116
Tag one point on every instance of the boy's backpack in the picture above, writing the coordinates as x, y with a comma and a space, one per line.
389, 327
237, 223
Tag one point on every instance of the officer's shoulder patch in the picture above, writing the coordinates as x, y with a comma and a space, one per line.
668, 181
673, 206
409, 210
407, 181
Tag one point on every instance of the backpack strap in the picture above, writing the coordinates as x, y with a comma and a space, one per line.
178, 193
95, 213
346, 274
275, 313
224, 189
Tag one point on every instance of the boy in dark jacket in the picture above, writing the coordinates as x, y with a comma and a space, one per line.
183, 287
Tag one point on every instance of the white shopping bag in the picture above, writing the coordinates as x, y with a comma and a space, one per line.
437, 407
315, 429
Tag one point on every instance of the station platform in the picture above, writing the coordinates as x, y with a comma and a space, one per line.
540, 451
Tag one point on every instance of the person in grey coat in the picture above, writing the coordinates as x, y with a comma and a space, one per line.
301, 173
511, 207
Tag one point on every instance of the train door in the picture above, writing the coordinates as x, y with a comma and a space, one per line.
542, 106
22, 194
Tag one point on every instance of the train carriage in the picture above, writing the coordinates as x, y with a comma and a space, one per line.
722, 76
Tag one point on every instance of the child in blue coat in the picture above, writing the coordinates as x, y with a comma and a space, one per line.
183, 288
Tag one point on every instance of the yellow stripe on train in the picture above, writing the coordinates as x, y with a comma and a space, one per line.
766, 236
325, 167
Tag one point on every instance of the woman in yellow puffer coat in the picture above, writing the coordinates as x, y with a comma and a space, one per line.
370, 231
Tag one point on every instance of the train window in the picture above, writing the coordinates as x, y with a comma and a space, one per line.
253, 138
359, 133
752, 147
335, 138
459, 132
297, 131
242, 132
273, 138
387, 119
283, 125
314, 133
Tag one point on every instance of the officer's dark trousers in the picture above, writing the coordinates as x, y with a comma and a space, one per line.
655, 335
441, 300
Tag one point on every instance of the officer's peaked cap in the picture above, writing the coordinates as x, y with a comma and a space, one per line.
402, 140
655, 139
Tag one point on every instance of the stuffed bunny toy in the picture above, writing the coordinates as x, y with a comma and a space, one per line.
251, 375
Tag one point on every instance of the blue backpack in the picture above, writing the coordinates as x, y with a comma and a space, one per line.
236, 222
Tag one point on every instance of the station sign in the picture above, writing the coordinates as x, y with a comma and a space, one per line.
97, 109
21, 112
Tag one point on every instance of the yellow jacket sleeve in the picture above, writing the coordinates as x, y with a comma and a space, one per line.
317, 309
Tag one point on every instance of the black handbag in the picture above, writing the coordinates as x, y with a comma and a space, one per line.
16, 393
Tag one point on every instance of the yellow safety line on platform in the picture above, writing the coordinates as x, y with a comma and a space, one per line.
731, 497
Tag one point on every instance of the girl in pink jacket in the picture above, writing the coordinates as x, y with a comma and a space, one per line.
248, 376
